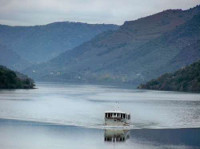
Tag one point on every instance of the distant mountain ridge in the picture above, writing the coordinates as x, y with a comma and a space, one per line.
138, 51
185, 79
40, 43
11, 59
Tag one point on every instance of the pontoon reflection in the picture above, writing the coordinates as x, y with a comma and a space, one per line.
116, 135
117, 118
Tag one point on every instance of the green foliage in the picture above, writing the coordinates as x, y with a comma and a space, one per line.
10, 80
186, 79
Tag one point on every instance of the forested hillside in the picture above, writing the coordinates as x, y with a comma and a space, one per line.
12, 80
40, 43
186, 79
138, 51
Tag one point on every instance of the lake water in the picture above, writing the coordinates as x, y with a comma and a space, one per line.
72, 116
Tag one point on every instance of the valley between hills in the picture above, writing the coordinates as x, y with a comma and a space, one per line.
132, 53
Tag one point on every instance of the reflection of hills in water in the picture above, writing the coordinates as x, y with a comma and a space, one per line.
116, 135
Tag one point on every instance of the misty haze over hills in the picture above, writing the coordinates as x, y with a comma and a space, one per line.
133, 53
40, 43
138, 51
11, 59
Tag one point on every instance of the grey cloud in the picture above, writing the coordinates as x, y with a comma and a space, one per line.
32, 12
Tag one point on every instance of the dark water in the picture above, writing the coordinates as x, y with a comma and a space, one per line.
32, 135
72, 116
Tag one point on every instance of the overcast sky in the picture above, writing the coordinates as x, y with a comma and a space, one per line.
38, 12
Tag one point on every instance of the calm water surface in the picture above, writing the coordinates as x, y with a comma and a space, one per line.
72, 116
